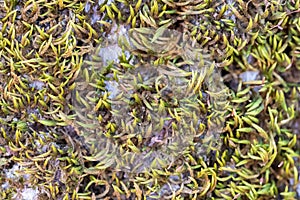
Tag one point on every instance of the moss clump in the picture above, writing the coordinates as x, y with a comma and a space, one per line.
159, 98
42, 48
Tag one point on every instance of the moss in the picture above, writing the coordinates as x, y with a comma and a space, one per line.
47, 49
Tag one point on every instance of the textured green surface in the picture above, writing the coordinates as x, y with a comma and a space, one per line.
42, 48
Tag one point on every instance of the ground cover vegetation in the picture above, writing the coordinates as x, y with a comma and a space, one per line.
202, 100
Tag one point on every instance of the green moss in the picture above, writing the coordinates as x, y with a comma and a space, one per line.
43, 45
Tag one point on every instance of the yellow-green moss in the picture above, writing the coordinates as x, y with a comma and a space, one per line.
43, 45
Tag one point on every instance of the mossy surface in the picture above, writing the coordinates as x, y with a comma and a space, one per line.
48, 62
